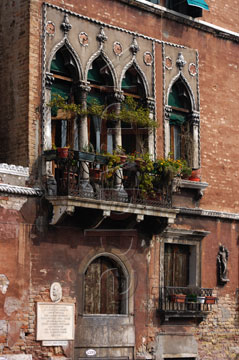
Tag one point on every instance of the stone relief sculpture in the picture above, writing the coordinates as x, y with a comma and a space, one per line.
222, 260
4, 282
56, 292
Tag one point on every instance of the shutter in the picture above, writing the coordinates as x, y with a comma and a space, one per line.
176, 265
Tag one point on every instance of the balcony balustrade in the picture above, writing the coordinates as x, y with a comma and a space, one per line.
106, 184
185, 302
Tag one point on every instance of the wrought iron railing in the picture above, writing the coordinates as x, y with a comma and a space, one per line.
185, 299
73, 176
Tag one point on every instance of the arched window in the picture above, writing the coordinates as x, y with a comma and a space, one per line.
105, 287
181, 129
64, 71
101, 83
134, 138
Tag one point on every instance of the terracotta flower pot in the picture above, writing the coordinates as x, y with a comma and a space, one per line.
195, 176
178, 298
63, 152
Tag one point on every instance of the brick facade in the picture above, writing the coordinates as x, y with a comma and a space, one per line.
35, 254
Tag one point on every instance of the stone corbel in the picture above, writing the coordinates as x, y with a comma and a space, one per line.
59, 211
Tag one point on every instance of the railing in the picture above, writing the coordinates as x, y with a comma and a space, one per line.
73, 174
185, 300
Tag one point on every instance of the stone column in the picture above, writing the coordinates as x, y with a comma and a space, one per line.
118, 143
47, 134
151, 133
195, 116
167, 112
47, 141
82, 89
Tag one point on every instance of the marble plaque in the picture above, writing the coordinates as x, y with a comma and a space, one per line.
55, 321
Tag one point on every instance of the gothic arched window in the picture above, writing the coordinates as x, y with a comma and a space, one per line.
181, 129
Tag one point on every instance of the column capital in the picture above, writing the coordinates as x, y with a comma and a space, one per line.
167, 112
195, 118
49, 79
119, 96
150, 102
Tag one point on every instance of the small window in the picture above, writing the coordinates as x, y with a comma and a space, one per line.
191, 8
105, 287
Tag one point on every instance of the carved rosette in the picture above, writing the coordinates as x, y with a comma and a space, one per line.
134, 47
66, 26
49, 79
180, 62
192, 69
83, 39
101, 37
50, 28
117, 48
168, 63
148, 58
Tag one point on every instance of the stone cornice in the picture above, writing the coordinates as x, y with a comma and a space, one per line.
209, 213
184, 19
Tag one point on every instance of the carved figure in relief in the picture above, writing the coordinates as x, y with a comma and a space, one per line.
4, 282
56, 292
222, 260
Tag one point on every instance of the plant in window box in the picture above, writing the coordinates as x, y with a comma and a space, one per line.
192, 293
134, 113
146, 176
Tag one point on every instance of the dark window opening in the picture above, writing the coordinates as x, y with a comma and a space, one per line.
134, 138
181, 130
105, 287
64, 70
183, 7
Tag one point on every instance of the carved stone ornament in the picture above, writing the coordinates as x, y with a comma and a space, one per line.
150, 104
49, 80
222, 260
117, 48
56, 292
195, 118
66, 26
134, 47
168, 63
4, 282
180, 62
101, 37
83, 39
192, 69
119, 96
148, 58
50, 28
167, 112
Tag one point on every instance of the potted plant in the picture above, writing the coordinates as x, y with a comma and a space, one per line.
63, 152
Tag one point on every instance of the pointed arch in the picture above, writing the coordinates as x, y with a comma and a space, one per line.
181, 77
133, 63
104, 56
65, 43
